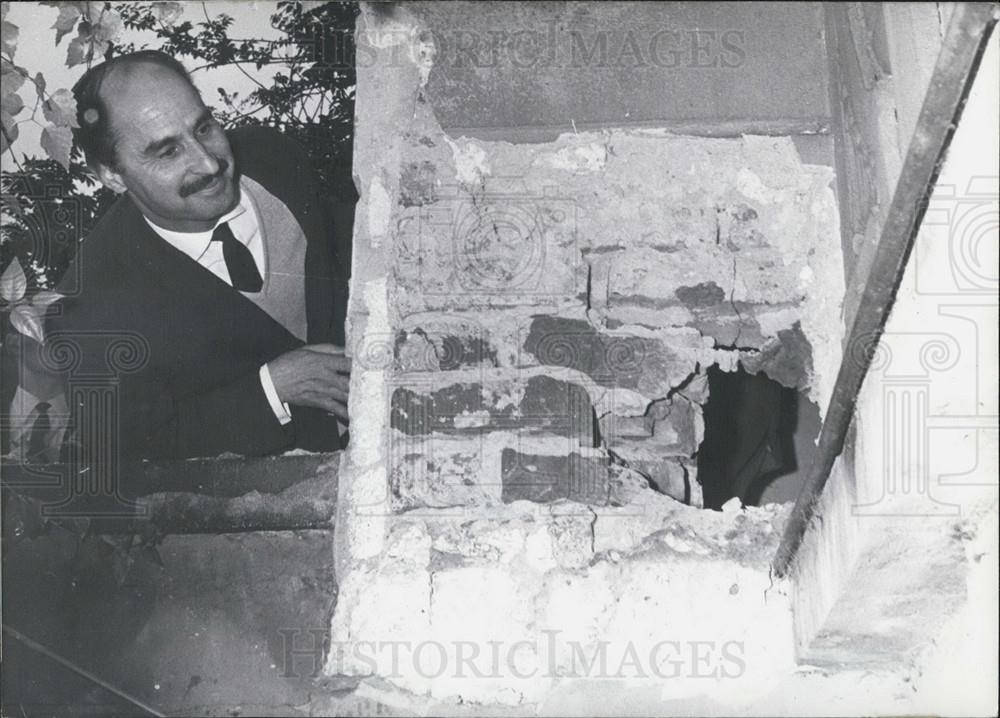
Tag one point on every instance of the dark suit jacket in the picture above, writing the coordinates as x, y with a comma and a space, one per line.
191, 387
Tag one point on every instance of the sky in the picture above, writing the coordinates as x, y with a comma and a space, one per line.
37, 52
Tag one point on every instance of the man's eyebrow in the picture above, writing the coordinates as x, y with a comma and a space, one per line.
153, 147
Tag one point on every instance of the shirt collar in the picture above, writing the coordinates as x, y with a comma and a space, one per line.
188, 242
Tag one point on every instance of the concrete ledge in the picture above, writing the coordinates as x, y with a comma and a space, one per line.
221, 495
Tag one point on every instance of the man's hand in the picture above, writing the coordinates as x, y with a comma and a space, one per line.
315, 375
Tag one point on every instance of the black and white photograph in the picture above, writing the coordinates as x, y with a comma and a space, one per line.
499, 358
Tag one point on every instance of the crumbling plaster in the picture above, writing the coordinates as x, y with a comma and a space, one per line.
502, 293
666, 254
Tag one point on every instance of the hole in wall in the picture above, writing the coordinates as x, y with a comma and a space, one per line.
759, 439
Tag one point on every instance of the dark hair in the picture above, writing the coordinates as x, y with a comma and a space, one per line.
94, 135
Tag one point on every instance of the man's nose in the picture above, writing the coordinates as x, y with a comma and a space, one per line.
205, 161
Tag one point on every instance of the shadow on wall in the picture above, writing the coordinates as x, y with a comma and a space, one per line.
759, 439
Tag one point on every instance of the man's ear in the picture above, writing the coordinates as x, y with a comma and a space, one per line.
110, 178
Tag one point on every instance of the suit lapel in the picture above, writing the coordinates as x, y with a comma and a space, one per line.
288, 177
196, 297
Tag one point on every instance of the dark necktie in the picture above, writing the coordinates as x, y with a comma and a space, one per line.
242, 268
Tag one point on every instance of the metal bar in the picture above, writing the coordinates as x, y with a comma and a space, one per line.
962, 49
39, 648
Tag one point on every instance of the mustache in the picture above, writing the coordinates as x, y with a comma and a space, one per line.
202, 182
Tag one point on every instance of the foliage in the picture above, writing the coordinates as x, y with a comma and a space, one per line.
25, 314
47, 211
97, 25
311, 95
50, 204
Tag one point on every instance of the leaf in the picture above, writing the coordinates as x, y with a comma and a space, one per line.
37, 379
167, 12
60, 109
12, 104
69, 13
40, 85
8, 37
44, 298
26, 320
57, 143
13, 283
106, 27
9, 124
10, 131
77, 52
13, 77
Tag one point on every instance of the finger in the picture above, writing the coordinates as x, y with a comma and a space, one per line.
328, 382
328, 404
341, 383
336, 370
328, 392
339, 363
340, 411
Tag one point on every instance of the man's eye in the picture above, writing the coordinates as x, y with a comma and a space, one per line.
206, 128
169, 152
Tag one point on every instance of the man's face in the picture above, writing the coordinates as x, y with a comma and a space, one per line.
171, 155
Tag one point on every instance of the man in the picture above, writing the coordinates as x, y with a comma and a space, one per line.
213, 273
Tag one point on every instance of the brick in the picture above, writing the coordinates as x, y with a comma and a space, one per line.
638, 363
415, 350
545, 405
671, 427
701, 295
615, 427
647, 278
467, 250
544, 479
434, 476
673, 476
787, 359
730, 329
458, 340
675, 430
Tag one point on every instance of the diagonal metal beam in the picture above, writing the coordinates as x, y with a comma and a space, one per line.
962, 49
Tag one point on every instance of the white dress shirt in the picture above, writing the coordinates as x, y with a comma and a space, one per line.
245, 226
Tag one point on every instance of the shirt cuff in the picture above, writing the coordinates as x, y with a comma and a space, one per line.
279, 408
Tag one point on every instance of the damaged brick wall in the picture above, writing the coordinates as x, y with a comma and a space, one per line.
531, 326
536, 285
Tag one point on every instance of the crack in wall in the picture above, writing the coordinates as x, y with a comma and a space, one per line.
628, 253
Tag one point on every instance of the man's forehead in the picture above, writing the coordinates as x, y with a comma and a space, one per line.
146, 100
136, 77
